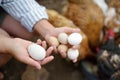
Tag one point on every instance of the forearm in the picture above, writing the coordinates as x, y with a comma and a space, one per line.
27, 12
43, 27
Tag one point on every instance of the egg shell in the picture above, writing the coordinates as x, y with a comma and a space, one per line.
54, 41
74, 38
63, 48
36, 51
63, 38
72, 54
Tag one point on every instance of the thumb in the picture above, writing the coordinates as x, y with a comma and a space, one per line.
71, 30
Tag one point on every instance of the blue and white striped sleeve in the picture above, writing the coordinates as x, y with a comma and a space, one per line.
28, 12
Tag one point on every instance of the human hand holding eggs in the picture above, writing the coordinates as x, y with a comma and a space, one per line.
38, 51
63, 43
72, 39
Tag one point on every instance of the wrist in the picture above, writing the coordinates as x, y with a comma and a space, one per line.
6, 44
43, 27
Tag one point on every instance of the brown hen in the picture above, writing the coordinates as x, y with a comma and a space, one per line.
88, 16
114, 18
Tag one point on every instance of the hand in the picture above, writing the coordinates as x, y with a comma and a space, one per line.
19, 51
56, 31
47, 30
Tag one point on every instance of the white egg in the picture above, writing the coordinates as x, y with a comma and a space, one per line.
36, 51
72, 54
62, 38
74, 39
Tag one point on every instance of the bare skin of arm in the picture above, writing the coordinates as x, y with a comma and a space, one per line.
18, 49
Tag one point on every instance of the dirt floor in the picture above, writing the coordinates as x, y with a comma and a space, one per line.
58, 69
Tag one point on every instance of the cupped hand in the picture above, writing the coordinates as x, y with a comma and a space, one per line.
55, 32
19, 51
47, 30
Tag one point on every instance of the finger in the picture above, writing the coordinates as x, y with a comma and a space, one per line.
55, 49
74, 61
39, 41
44, 45
32, 62
71, 30
63, 54
46, 60
75, 46
49, 51
52, 41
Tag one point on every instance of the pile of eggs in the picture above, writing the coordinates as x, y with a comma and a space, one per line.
72, 39
37, 52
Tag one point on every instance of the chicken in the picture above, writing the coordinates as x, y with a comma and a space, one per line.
112, 19
111, 10
109, 58
88, 17
115, 4
58, 20
102, 4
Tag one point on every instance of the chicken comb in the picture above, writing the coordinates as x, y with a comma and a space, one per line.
111, 33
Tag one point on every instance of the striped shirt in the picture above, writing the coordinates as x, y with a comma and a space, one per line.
27, 12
